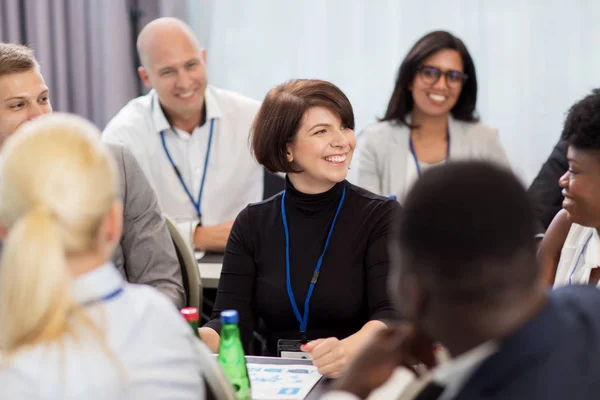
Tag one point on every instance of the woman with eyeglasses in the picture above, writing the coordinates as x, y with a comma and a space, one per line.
430, 119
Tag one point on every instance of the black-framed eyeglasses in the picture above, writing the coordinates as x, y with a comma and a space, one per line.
430, 75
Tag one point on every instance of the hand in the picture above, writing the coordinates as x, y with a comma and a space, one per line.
400, 345
212, 238
328, 355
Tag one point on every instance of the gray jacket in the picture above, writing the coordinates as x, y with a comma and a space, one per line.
382, 150
146, 253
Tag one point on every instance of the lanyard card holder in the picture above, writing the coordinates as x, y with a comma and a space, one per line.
290, 348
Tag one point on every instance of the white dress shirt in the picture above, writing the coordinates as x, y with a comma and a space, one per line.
233, 177
153, 350
452, 375
579, 255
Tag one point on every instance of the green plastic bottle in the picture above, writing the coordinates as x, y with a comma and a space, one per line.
231, 355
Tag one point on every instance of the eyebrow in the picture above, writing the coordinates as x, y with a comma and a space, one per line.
46, 91
319, 124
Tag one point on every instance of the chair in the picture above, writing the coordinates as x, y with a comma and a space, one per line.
216, 383
189, 267
273, 184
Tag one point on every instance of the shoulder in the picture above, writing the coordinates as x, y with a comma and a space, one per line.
131, 117
117, 150
580, 303
259, 210
476, 131
152, 308
234, 103
370, 202
382, 130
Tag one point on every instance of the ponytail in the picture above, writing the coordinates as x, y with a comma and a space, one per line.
35, 282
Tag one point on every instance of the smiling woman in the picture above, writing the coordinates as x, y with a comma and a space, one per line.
571, 246
430, 119
320, 246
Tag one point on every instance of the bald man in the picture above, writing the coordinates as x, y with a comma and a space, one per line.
190, 138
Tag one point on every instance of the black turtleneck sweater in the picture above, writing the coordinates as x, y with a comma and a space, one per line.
351, 288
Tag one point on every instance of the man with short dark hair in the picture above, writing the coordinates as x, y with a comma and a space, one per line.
465, 275
145, 253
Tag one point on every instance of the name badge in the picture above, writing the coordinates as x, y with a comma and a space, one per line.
287, 348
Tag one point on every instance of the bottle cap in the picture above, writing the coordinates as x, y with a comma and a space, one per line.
190, 314
229, 317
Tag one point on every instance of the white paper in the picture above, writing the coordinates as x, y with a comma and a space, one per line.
277, 381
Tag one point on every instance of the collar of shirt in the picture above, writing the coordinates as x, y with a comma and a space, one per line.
97, 283
456, 372
213, 109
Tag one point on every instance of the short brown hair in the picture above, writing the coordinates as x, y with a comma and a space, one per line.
15, 58
281, 113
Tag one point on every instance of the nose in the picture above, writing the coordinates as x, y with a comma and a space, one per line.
442, 83
35, 111
340, 139
183, 80
563, 181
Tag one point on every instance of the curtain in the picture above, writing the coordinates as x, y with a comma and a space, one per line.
86, 48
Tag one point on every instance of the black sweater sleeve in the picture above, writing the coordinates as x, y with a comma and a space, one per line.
377, 263
236, 284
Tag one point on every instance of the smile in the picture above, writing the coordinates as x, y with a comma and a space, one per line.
336, 159
186, 95
437, 97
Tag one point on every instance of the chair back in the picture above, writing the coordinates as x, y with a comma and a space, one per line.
189, 267
216, 383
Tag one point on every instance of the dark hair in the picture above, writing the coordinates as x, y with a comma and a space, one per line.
281, 113
401, 102
15, 58
468, 232
582, 125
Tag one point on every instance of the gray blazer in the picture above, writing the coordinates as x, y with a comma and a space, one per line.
146, 253
382, 150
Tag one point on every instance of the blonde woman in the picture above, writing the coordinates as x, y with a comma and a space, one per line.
70, 326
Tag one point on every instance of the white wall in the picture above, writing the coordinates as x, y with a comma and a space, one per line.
534, 58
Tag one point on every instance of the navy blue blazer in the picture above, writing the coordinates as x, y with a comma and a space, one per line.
556, 356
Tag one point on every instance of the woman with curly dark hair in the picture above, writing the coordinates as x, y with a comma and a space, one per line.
570, 250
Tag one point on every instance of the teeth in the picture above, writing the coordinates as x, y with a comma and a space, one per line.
336, 159
437, 97
186, 95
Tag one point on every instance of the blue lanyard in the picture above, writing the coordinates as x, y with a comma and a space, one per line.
178, 172
579, 258
304, 320
103, 299
414, 153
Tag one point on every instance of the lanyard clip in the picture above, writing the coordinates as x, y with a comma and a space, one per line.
303, 338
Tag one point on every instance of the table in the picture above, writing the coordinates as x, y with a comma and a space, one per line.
209, 266
317, 391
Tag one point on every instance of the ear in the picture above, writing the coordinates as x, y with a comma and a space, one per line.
289, 154
114, 224
3, 232
143, 74
203, 55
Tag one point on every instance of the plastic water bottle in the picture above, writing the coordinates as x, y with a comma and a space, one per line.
192, 317
231, 355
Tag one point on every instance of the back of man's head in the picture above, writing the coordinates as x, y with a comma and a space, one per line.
467, 234
15, 58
